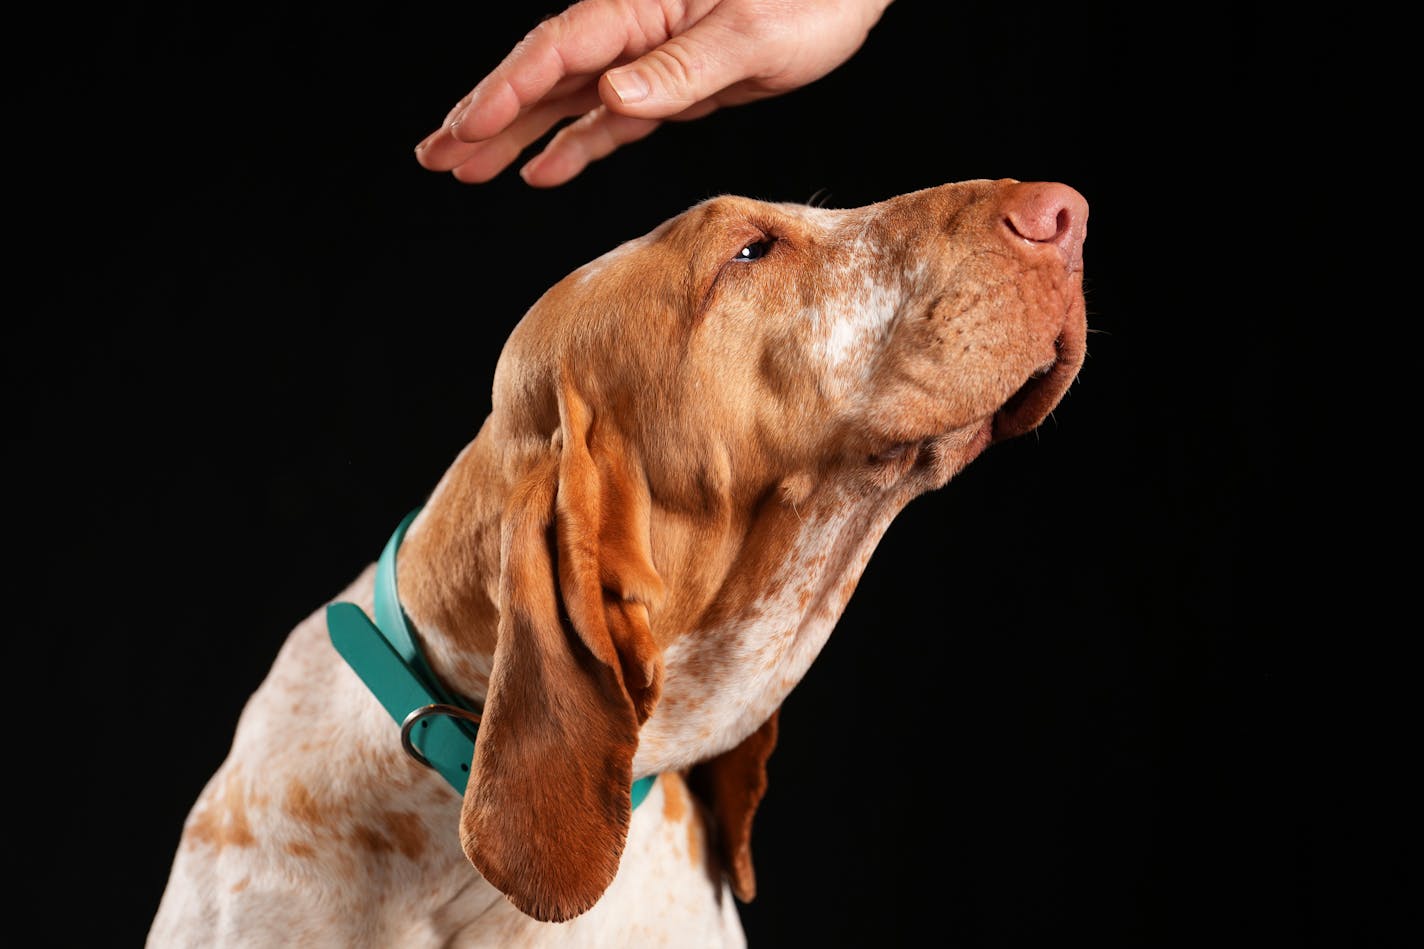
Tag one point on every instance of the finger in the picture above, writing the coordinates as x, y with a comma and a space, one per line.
439, 151
442, 152
481, 161
596, 135
585, 38
688, 68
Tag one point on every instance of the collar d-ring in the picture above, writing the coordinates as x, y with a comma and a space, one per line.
418, 716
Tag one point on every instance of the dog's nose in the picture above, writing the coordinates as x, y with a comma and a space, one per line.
1049, 213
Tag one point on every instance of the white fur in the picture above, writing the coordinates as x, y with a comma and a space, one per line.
664, 893
721, 683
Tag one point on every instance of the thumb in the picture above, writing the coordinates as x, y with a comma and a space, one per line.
682, 72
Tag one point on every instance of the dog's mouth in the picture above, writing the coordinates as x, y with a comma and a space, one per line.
947, 451
1030, 404
1045, 386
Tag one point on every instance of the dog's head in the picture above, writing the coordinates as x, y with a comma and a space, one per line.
706, 432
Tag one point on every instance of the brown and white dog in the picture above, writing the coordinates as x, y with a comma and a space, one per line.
696, 442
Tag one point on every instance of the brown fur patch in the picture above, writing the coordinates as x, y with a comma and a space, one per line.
241, 885
674, 797
406, 832
369, 838
223, 822
694, 842
299, 849
300, 803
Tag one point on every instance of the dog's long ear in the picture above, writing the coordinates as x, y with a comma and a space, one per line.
733, 784
576, 672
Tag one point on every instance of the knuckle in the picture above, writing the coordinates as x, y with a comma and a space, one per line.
549, 29
678, 69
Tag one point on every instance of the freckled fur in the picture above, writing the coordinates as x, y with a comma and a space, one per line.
689, 462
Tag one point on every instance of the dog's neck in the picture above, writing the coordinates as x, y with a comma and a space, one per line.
737, 637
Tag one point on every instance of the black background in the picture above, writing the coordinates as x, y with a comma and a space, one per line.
1064, 701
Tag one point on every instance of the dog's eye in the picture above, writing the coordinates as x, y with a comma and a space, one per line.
754, 251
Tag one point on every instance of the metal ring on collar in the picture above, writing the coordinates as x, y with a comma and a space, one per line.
425, 711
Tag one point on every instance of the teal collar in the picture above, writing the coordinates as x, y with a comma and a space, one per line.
438, 728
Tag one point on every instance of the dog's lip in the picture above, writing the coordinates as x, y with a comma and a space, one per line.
1044, 386
1031, 402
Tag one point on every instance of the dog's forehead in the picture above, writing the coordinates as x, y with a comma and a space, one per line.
736, 214
682, 236
733, 212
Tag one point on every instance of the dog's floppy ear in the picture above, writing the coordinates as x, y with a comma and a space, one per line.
576, 672
733, 784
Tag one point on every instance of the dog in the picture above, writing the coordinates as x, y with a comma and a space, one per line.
695, 444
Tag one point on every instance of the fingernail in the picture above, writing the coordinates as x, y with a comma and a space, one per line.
629, 85
456, 113
528, 167
455, 122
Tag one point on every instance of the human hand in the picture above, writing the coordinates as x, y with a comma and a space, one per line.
674, 60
